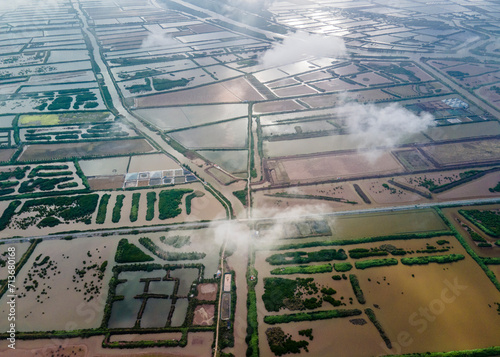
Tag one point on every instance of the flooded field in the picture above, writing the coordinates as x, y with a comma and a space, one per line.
55, 277
421, 311
230, 160
231, 134
105, 167
198, 344
181, 117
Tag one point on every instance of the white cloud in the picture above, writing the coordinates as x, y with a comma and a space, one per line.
302, 45
158, 38
382, 126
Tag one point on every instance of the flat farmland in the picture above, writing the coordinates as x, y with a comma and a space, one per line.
323, 197
464, 152
342, 165
335, 84
6, 154
41, 152
371, 79
469, 130
294, 91
198, 344
324, 144
277, 106
489, 93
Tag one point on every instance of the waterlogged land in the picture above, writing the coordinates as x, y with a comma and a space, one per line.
147, 147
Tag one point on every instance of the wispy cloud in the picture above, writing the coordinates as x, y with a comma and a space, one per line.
386, 126
158, 38
302, 45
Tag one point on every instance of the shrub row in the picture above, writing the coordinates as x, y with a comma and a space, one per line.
375, 263
117, 210
169, 202
153, 248
303, 269
299, 257
440, 259
101, 210
150, 211
357, 289
310, 316
134, 210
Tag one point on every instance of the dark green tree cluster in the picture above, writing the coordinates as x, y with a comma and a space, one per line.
487, 221
134, 210
299, 257
129, 253
375, 263
169, 202
156, 250
117, 209
101, 210
440, 259
282, 344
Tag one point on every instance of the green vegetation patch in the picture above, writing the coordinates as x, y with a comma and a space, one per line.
150, 211
440, 259
276, 290
307, 333
491, 261
156, 250
129, 253
304, 257
282, 344
134, 210
303, 269
370, 263
63, 102
101, 211
496, 188
310, 316
357, 289
66, 208
487, 220
242, 196
8, 213
169, 202
48, 222
117, 210
17, 173
365, 253
160, 84
298, 294
342, 267
42, 184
